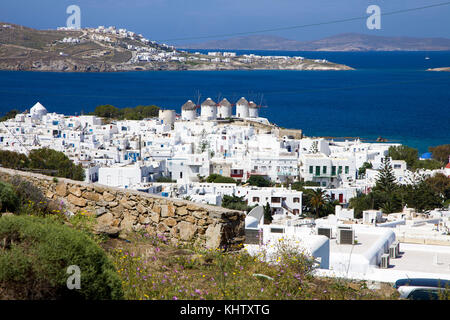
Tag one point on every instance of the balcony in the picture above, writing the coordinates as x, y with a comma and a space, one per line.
237, 173
324, 175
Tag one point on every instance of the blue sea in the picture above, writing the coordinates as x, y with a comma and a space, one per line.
389, 94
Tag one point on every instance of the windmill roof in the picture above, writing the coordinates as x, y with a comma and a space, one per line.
38, 106
225, 103
189, 105
242, 101
251, 104
208, 102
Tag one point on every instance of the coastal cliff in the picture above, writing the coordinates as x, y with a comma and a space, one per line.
111, 50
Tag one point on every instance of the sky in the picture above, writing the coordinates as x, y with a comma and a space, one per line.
164, 20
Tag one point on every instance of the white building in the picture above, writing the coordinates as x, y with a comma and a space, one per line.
224, 109
208, 110
242, 110
189, 111
253, 110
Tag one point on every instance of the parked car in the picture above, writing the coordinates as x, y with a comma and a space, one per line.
423, 289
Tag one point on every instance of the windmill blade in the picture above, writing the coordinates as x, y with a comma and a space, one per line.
218, 97
198, 99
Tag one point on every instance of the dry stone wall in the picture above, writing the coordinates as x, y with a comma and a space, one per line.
120, 211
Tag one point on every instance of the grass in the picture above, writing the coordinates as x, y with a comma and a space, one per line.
152, 268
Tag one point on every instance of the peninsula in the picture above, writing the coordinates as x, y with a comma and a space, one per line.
109, 49
439, 69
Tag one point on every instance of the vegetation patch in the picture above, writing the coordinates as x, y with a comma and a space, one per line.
35, 254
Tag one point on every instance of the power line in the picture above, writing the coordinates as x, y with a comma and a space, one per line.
306, 25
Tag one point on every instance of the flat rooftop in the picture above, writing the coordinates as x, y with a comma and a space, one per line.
365, 241
422, 258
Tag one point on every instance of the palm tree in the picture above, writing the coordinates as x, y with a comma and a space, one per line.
317, 200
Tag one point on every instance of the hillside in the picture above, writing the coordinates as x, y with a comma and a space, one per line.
446, 69
341, 42
107, 49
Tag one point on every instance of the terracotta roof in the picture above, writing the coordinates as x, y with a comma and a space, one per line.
189, 105
447, 166
251, 104
225, 103
208, 102
242, 101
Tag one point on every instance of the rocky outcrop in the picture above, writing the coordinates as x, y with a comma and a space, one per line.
119, 211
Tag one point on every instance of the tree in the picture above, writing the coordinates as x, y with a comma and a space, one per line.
440, 184
137, 113
13, 160
364, 167
267, 214
429, 164
217, 178
317, 200
107, 111
49, 159
441, 153
361, 203
259, 181
9, 115
410, 155
235, 203
386, 187
386, 178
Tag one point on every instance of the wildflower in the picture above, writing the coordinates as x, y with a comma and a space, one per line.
174, 298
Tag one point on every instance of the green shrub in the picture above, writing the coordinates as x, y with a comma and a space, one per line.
217, 178
8, 198
32, 199
35, 254
259, 181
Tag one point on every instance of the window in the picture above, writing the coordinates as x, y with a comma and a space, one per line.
333, 170
346, 169
311, 169
181, 175
276, 199
296, 211
317, 170
340, 170
324, 169
397, 166
296, 200
255, 199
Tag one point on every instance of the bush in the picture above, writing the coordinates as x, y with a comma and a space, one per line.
136, 113
35, 254
32, 200
8, 198
259, 181
165, 180
57, 162
13, 160
217, 178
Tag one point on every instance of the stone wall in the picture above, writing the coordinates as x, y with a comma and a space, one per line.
119, 211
